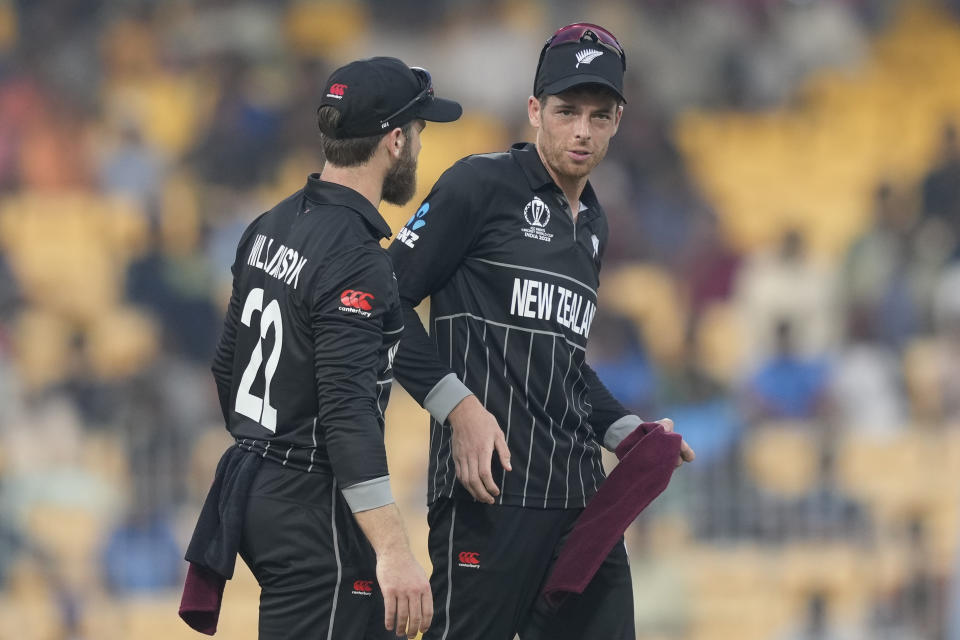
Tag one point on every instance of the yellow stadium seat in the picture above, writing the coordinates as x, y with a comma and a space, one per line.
72, 536
783, 458
840, 134
42, 344
734, 592
648, 295
326, 27
120, 343
70, 250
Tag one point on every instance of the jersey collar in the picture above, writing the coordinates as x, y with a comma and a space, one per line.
525, 154
323, 192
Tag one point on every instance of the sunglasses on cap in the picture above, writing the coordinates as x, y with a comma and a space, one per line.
583, 32
426, 91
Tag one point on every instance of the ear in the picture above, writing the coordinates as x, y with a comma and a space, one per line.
534, 112
616, 119
394, 142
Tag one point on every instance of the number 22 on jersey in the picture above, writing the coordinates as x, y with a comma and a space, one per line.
249, 405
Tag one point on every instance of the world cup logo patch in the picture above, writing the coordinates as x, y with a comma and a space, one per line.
537, 213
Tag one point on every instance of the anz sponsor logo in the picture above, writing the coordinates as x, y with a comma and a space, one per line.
537, 215
407, 235
544, 301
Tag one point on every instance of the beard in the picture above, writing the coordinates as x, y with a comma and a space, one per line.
400, 183
564, 167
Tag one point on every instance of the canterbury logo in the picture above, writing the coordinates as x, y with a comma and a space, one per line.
363, 586
356, 299
469, 557
336, 91
586, 56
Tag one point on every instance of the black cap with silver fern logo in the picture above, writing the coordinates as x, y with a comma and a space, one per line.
580, 54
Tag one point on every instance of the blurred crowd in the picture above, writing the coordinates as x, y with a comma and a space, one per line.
138, 138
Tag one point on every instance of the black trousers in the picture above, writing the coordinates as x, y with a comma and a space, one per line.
316, 569
489, 564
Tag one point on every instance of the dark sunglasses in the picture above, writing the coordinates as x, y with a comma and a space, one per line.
583, 32
426, 91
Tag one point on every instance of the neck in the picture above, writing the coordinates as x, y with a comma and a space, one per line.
571, 186
366, 179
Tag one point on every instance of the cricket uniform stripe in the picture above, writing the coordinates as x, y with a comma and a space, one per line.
336, 555
553, 440
518, 267
453, 522
533, 423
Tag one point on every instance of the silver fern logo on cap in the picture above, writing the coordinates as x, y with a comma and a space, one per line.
586, 56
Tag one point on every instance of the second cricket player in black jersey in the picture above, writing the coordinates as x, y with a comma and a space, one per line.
303, 372
513, 283
314, 299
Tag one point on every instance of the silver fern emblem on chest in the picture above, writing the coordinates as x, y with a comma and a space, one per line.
586, 56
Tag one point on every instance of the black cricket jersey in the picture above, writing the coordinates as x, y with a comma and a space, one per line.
513, 286
304, 364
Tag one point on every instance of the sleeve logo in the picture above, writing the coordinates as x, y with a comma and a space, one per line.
407, 235
356, 302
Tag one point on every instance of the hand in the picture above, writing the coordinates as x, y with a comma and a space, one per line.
407, 600
686, 452
475, 436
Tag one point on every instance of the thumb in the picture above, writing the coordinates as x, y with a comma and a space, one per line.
500, 444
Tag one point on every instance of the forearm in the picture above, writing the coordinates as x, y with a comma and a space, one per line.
384, 529
418, 368
611, 421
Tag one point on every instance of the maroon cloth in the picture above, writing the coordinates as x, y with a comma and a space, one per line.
648, 457
202, 596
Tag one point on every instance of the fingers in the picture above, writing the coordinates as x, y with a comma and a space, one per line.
500, 444
413, 624
389, 609
486, 476
686, 453
403, 613
426, 604
474, 484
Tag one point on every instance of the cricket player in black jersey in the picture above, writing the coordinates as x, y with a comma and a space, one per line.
509, 246
303, 370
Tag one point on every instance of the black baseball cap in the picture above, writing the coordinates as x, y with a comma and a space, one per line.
578, 54
375, 95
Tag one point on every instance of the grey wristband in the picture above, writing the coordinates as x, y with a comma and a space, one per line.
619, 430
369, 494
444, 396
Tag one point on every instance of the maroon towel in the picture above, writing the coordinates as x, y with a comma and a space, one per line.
648, 457
202, 595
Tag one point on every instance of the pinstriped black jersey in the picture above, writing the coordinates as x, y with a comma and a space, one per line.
513, 284
304, 364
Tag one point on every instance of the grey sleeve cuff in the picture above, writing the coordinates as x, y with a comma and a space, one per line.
444, 396
620, 430
369, 494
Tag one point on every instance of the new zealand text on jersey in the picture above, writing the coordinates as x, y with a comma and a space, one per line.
283, 264
535, 299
